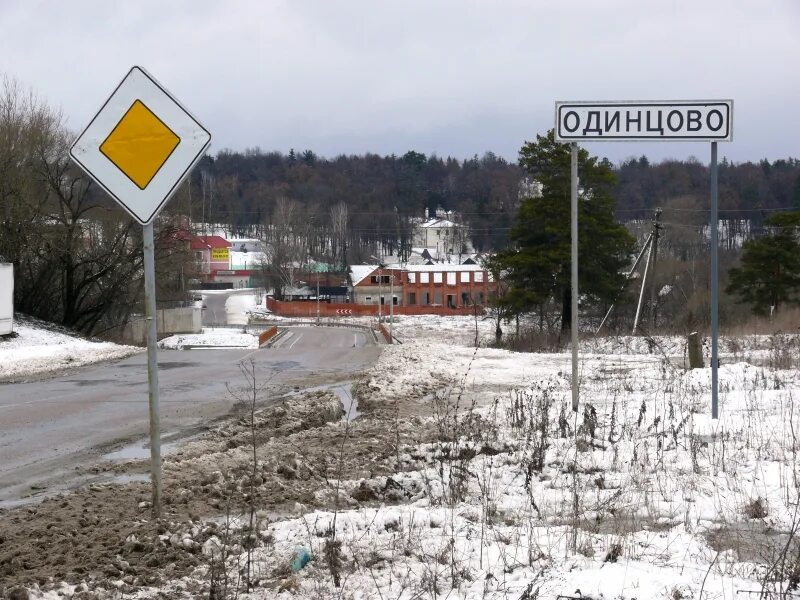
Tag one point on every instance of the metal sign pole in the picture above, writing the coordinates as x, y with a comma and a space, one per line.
664, 120
152, 365
140, 162
714, 285
574, 232
391, 304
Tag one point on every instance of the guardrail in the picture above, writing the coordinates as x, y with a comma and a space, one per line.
372, 330
267, 335
253, 327
385, 333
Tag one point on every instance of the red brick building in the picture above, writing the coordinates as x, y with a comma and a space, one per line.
437, 285
452, 286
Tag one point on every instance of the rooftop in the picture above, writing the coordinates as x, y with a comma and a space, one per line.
210, 241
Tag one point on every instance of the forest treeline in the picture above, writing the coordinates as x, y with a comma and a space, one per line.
381, 193
77, 256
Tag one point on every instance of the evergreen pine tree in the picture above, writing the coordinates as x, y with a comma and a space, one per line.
769, 272
537, 268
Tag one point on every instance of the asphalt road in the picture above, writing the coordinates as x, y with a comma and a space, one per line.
225, 306
51, 428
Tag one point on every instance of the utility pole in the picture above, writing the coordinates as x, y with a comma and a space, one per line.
391, 304
649, 271
317, 299
641, 290
380, 291
627, 279
653, 291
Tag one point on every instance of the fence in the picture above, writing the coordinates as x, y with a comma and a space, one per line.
168, 321
309, 309
384, 332
267, 335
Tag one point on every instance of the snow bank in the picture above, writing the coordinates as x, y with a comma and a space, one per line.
237, 308
216, 338
39, 349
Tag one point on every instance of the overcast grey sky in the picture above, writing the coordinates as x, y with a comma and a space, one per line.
452, 78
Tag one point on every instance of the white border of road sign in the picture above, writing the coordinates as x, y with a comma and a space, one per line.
648, 130
142, 204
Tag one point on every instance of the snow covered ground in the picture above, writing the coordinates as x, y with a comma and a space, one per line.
640, 494
41, 348
237, 307
217, 337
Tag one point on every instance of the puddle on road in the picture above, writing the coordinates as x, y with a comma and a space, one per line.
282, 365
9, 504
89, 382
349, 403
343, 391
139, 450
124, 478
162, 366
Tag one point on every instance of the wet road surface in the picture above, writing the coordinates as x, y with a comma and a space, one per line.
50, 427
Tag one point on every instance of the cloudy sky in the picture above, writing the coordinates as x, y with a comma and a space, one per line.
452, 78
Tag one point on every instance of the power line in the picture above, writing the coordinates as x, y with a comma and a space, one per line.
705, 210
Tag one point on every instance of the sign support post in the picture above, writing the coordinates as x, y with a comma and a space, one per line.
714, 286
152, 365
574, 270
658, 120
391, 304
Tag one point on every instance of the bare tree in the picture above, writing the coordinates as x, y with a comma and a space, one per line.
339, 236
286, 243
77, 257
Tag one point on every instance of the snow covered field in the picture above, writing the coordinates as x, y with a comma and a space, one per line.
218, 337
40, 348
640, 494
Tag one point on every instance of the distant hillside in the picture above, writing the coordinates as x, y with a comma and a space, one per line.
382, 193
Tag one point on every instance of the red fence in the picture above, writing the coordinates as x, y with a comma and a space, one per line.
384, 332
267, 335
309, 309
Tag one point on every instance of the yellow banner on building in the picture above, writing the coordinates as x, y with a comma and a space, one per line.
220, 254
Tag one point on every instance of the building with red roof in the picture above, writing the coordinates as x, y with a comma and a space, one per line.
211, 253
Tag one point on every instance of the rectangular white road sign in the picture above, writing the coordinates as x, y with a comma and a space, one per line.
690, 120
140, 145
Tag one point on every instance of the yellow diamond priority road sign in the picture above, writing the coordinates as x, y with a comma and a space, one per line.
140, 145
